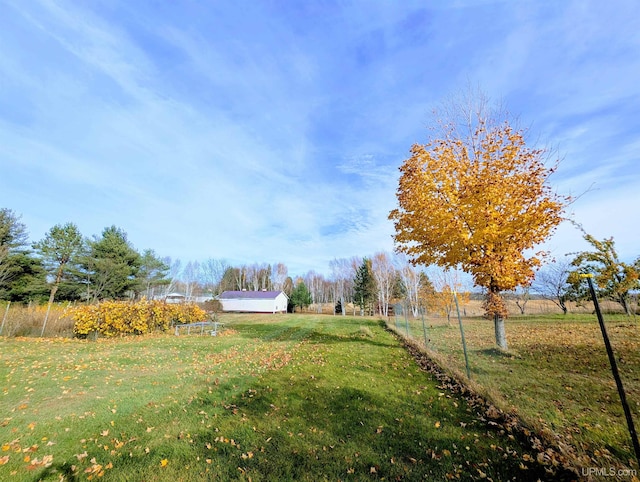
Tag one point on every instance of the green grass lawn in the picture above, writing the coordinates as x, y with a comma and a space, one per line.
556, 375
285, 397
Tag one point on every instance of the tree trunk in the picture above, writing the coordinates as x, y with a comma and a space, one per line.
563, 307
52, 297
501, 336
625, 305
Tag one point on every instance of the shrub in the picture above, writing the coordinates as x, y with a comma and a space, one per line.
112, 318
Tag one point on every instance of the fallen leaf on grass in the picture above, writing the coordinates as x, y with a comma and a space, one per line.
164, 463
46, 461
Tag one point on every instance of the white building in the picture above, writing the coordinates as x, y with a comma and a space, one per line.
254, 301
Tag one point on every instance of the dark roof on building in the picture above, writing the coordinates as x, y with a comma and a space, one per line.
249, 295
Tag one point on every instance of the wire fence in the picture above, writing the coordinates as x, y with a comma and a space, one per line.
552, 375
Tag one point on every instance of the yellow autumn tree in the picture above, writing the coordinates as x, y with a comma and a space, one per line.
477, 197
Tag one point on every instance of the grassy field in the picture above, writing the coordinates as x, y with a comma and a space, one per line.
288, 397
556, 376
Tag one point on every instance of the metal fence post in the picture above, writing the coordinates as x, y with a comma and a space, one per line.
406, 321
614, 369
464, 343
424, 328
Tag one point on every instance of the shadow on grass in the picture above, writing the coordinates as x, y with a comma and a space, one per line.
286, 333
334, 424
495, 353
336, 432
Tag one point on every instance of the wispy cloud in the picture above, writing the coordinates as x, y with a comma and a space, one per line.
274, 131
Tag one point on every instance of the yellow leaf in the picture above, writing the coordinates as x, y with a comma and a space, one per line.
164, 462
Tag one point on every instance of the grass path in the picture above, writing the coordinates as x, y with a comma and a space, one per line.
290, 397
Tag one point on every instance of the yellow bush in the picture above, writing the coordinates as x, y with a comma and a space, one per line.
111, 318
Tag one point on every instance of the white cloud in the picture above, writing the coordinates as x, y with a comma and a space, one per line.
274, 133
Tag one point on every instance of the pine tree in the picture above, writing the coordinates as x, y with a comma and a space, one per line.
364, 287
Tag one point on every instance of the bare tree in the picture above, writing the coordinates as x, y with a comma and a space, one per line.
279, 276
410, 278
253, 276
211, 273
316, 284
384, 273
521, 297
264, 274
175, 268
551, 283
341, 275
190, 276
240, 277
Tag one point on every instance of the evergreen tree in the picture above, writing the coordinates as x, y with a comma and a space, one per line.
13, 241
111, 266
364, 289
153, 273
27, 280
300, 296
59, 250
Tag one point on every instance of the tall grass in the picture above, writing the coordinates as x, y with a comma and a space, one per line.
28, 320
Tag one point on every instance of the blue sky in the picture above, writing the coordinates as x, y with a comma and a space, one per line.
272, 131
